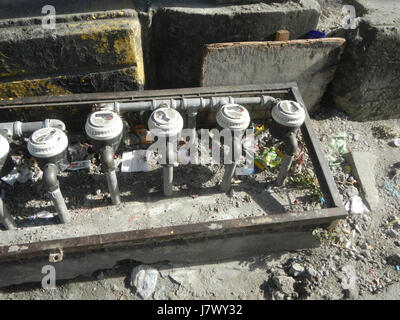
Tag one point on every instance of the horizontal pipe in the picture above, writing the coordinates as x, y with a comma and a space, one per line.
185, 104
16, 130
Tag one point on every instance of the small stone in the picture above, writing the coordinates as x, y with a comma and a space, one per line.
351, 293
296, 269
284, 284
394, 258
144, 279
310, 272
366, 254
100, 276
392, 233
351, 191
336, 258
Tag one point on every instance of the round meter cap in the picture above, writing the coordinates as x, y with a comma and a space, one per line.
4, 147
47, 143
165, 122
103, 125
289, 113
233, 116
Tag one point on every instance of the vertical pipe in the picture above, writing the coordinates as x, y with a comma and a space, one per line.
291, 146
6, 218
230, 168
113, 188
168, 177
108, 164
60, 206
228, 175
168, 169
51, 182
284, 170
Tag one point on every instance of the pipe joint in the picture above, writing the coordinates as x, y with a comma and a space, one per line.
50, 177
107, 159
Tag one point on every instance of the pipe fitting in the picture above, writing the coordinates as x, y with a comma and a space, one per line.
17, 130
291, 143
50, 179
107, 159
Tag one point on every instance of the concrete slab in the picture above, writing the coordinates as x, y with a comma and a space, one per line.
311, 63
363, 164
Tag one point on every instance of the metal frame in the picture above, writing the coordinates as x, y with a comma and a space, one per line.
226, 228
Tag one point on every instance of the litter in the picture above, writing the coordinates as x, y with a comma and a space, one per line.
11, 178
79, 165
144, 135
269, 158
135, 161
396, 142
41, 215
338, 145
78, 151
356, 206
314, 34
390, 186
384, 132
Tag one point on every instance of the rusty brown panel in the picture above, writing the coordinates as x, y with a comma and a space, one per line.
206, 229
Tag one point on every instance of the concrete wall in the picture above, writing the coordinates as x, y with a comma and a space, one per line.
100, 46
367, 85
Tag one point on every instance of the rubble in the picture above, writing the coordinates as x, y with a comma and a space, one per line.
144, 279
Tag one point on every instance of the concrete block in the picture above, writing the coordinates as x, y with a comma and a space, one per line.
122, 79
78, 56
180, 32
312, 63
362, 164
366, 85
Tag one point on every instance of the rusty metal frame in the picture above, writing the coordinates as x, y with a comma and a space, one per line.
226, 228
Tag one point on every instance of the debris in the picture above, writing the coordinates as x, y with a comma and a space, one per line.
41, 215
11, 178
308, 180
356, 206
348, 280
144, 135
383, 132
351, 191
296, 270
396, 143
78, 151
314, 34
391, 186
394, 258
284, 284
269, 158
144, 279
79, 165
135, 161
